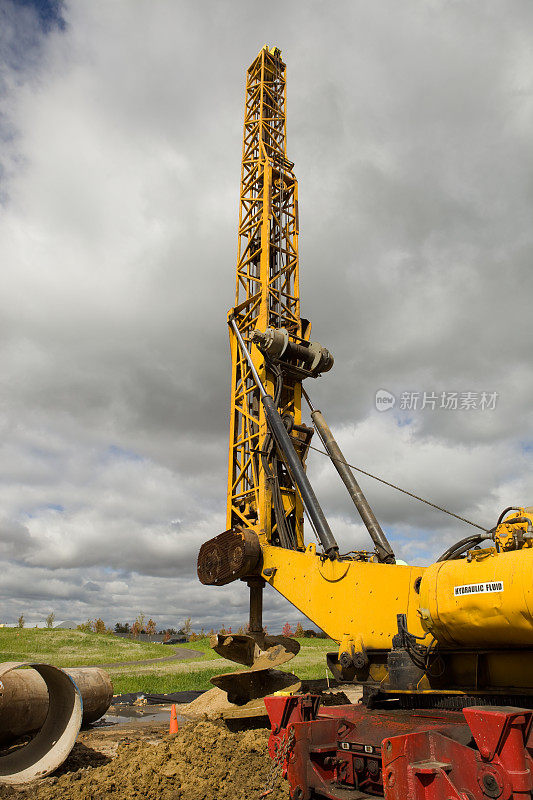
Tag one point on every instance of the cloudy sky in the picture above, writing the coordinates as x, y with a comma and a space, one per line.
410, 125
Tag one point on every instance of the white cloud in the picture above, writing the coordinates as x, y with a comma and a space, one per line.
120, 144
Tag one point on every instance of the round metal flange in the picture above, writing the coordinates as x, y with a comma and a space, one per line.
490, 784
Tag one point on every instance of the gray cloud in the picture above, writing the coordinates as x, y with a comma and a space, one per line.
120, 154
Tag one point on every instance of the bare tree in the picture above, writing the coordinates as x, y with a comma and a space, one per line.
138, 625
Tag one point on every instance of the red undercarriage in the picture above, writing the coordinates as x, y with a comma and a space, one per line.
350, 752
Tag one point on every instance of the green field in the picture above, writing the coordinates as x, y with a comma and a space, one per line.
196, 673
75, 648
64, 648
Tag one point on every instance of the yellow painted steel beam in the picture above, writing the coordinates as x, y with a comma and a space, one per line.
354, 602
267, 294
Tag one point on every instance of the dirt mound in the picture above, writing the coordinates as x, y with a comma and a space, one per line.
214, 703
204, 761
211, 704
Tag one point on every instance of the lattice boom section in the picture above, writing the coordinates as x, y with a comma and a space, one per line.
267, 289
269, 199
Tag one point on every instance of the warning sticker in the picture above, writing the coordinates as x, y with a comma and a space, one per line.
478, 588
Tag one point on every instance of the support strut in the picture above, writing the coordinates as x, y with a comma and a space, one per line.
384, 551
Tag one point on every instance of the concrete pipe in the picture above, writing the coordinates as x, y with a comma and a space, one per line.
55, 703
96, 691
51, 745
23, 703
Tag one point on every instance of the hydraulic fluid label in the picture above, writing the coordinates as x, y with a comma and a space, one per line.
478, 588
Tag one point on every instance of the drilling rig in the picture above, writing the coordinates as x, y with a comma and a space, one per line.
444, 653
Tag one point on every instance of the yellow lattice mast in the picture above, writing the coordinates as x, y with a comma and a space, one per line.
261, 495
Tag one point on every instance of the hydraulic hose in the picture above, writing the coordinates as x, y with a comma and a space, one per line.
463, 545
506, 511
459, 548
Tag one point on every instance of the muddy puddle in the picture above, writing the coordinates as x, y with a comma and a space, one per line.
134, 715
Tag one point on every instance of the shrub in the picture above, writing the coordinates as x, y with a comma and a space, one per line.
299, 631
98, 626
287, 630
138, 625
122, 628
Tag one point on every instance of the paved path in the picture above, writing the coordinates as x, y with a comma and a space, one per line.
176, 656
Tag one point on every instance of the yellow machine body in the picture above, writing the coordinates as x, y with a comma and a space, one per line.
486, 601
354, 602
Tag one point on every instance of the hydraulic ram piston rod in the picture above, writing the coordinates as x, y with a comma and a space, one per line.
384, 551
279, 431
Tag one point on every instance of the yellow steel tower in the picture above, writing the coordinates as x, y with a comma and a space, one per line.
261, 495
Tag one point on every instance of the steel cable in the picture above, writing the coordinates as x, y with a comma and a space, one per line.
399, 489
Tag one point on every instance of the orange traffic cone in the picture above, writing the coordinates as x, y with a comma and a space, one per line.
173, 720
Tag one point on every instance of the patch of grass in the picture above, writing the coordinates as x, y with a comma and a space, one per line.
176, 676
317, 644
153, 683
310, 662
201, 645
306, 645
64, 648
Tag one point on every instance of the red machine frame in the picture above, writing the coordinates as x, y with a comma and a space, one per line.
350, 752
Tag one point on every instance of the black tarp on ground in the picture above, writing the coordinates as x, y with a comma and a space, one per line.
158, 699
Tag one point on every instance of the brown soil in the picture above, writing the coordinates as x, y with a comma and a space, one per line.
214, 703
204, 761
211, 704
